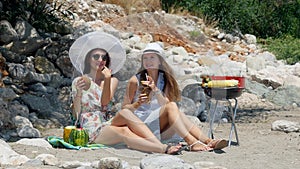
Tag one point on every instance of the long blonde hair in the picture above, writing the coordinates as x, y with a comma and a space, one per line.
171, 84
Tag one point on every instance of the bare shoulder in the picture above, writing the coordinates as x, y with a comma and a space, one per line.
114, 81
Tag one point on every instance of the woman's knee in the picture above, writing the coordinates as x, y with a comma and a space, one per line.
124, 113
172, 106
124, 132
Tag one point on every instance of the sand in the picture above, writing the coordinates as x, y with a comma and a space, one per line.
259, 147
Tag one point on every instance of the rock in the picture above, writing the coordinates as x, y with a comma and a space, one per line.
48, 159
110, 162
285, 126
164, 162
9, 157
39, 142
28, 132
7, 34
251, 39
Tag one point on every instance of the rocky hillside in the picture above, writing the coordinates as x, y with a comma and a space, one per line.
36, 72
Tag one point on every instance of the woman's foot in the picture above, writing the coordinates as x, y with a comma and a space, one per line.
199, 146
173, 149
217, 144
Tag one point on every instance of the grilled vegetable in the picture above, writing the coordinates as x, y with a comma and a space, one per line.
221, 83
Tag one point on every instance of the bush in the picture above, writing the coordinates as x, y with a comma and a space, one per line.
277, 21
286, 48
268, 18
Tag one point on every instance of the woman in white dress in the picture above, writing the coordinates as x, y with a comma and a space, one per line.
152, 94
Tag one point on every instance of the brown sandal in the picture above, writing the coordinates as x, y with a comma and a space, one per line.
217, 144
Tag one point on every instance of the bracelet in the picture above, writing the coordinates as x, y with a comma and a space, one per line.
156, 92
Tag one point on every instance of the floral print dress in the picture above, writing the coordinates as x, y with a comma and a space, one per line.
93, 116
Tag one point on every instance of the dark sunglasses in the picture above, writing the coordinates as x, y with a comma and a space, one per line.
103, 57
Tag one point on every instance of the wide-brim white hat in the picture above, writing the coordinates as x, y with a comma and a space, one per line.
97, 39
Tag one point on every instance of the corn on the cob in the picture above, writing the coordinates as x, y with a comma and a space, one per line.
222, 83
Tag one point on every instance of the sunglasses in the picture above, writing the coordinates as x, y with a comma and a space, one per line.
103, 57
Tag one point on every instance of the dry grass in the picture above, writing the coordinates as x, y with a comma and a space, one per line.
183, 12
179, 11
137, 6
210, 22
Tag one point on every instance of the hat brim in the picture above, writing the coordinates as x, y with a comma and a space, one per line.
152, 51
97, 39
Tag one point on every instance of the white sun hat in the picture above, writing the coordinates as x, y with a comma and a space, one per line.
97, 39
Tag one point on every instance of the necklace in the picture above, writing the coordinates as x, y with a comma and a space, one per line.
98, 81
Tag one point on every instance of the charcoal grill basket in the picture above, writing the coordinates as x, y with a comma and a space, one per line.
225, 92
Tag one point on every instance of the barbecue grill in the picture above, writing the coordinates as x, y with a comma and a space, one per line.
227, 94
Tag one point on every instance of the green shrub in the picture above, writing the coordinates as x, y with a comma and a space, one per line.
286, 48
276, 21
268, 18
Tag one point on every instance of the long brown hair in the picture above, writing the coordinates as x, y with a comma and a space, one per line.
171, 84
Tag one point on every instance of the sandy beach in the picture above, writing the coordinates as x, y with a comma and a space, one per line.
260, 147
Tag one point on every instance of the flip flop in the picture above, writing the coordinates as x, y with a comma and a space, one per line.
205, 147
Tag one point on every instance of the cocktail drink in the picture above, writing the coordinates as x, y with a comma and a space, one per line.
67, 131
145, 90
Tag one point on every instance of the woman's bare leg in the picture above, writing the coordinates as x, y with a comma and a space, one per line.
126, 118
197, 133
112, 135
194, 130
172, 118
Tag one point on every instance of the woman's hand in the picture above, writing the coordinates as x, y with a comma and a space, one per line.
83, 83
106, 72
145, 89
144, 98
150, 82
155, 91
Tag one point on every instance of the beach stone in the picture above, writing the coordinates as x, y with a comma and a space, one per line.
48, 159
33, 162
110, 162
73, 164
28, 132
39, 142
286, 126
159, 161
21, 122
203, 164
9, 157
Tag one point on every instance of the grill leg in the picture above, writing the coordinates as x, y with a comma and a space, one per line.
211, 120
233, 126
